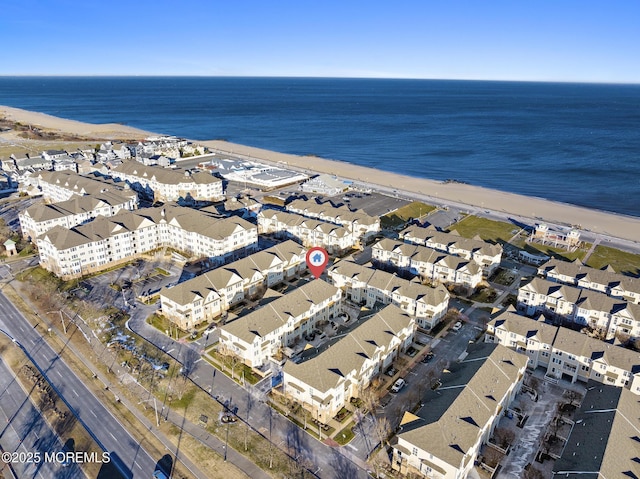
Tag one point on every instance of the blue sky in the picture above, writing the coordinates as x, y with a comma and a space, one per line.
593, 41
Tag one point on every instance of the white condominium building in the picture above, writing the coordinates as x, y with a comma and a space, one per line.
310, 232
207, 296
605, 281
105, 242
263, 333
485, 254
428, 263
358, 223
59, 186
165, 184
40, 218
565, 353
582, 306
368, 286
443, 438
324, 384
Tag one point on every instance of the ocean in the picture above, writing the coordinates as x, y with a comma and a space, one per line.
573, 143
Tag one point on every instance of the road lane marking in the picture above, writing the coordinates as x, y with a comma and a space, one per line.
74, 392
114, 438
139, 466
94, 414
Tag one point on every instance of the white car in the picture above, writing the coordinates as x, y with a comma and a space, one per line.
398, 385
457, 326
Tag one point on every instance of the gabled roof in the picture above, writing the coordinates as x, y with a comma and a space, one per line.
347, 356
452, 417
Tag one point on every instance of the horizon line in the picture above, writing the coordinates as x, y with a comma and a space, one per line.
303, 77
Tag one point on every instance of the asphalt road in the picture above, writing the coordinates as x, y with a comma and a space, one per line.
125, 451
249, 404
26, 434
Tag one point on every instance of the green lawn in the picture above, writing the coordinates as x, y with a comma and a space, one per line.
346, 435
621, 261
163, 325
406, 213
488, 230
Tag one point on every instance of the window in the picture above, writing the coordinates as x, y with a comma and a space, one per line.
414, 451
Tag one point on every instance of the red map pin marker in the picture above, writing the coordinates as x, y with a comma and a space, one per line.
317, 260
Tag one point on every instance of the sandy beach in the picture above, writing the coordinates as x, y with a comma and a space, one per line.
72, 127
537, 209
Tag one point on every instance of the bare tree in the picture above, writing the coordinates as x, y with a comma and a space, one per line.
504, 437
533, 473
382, 429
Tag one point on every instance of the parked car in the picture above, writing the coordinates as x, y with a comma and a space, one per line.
398, 385
428, 357
391, 372
457, 326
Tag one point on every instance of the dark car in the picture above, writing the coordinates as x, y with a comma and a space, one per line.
428, 357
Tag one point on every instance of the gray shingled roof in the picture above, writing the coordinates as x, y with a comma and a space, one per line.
326, 370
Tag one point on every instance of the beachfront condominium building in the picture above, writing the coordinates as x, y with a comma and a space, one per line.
564, 353
443, 438
165, 184
429, 264
604, 441
606, 315
367, 287
280, 323
106, 242
41, 217
209, 295
308, 231
606, 280
59, 186
325, 383
358, 223
485, 254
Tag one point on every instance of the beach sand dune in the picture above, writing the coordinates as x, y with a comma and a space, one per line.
537, 209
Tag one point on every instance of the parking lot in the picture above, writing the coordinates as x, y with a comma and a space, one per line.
373, 204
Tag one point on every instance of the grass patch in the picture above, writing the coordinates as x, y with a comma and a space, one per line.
488, 230
163, 325
405, 213
163, 272
345, 436
621, 261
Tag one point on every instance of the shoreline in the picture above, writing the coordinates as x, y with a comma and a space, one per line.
521, 207
533, 208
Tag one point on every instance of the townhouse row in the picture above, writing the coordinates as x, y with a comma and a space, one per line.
605, 314
487, 255
106, 242
205, 297
605, 281
41, 217
325, 383
442, 440
358, 223
368, 286
604, 441
283, 321
164, 184
564, 353
310, 232
435, 266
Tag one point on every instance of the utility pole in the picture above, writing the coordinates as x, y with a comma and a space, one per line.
64, 327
